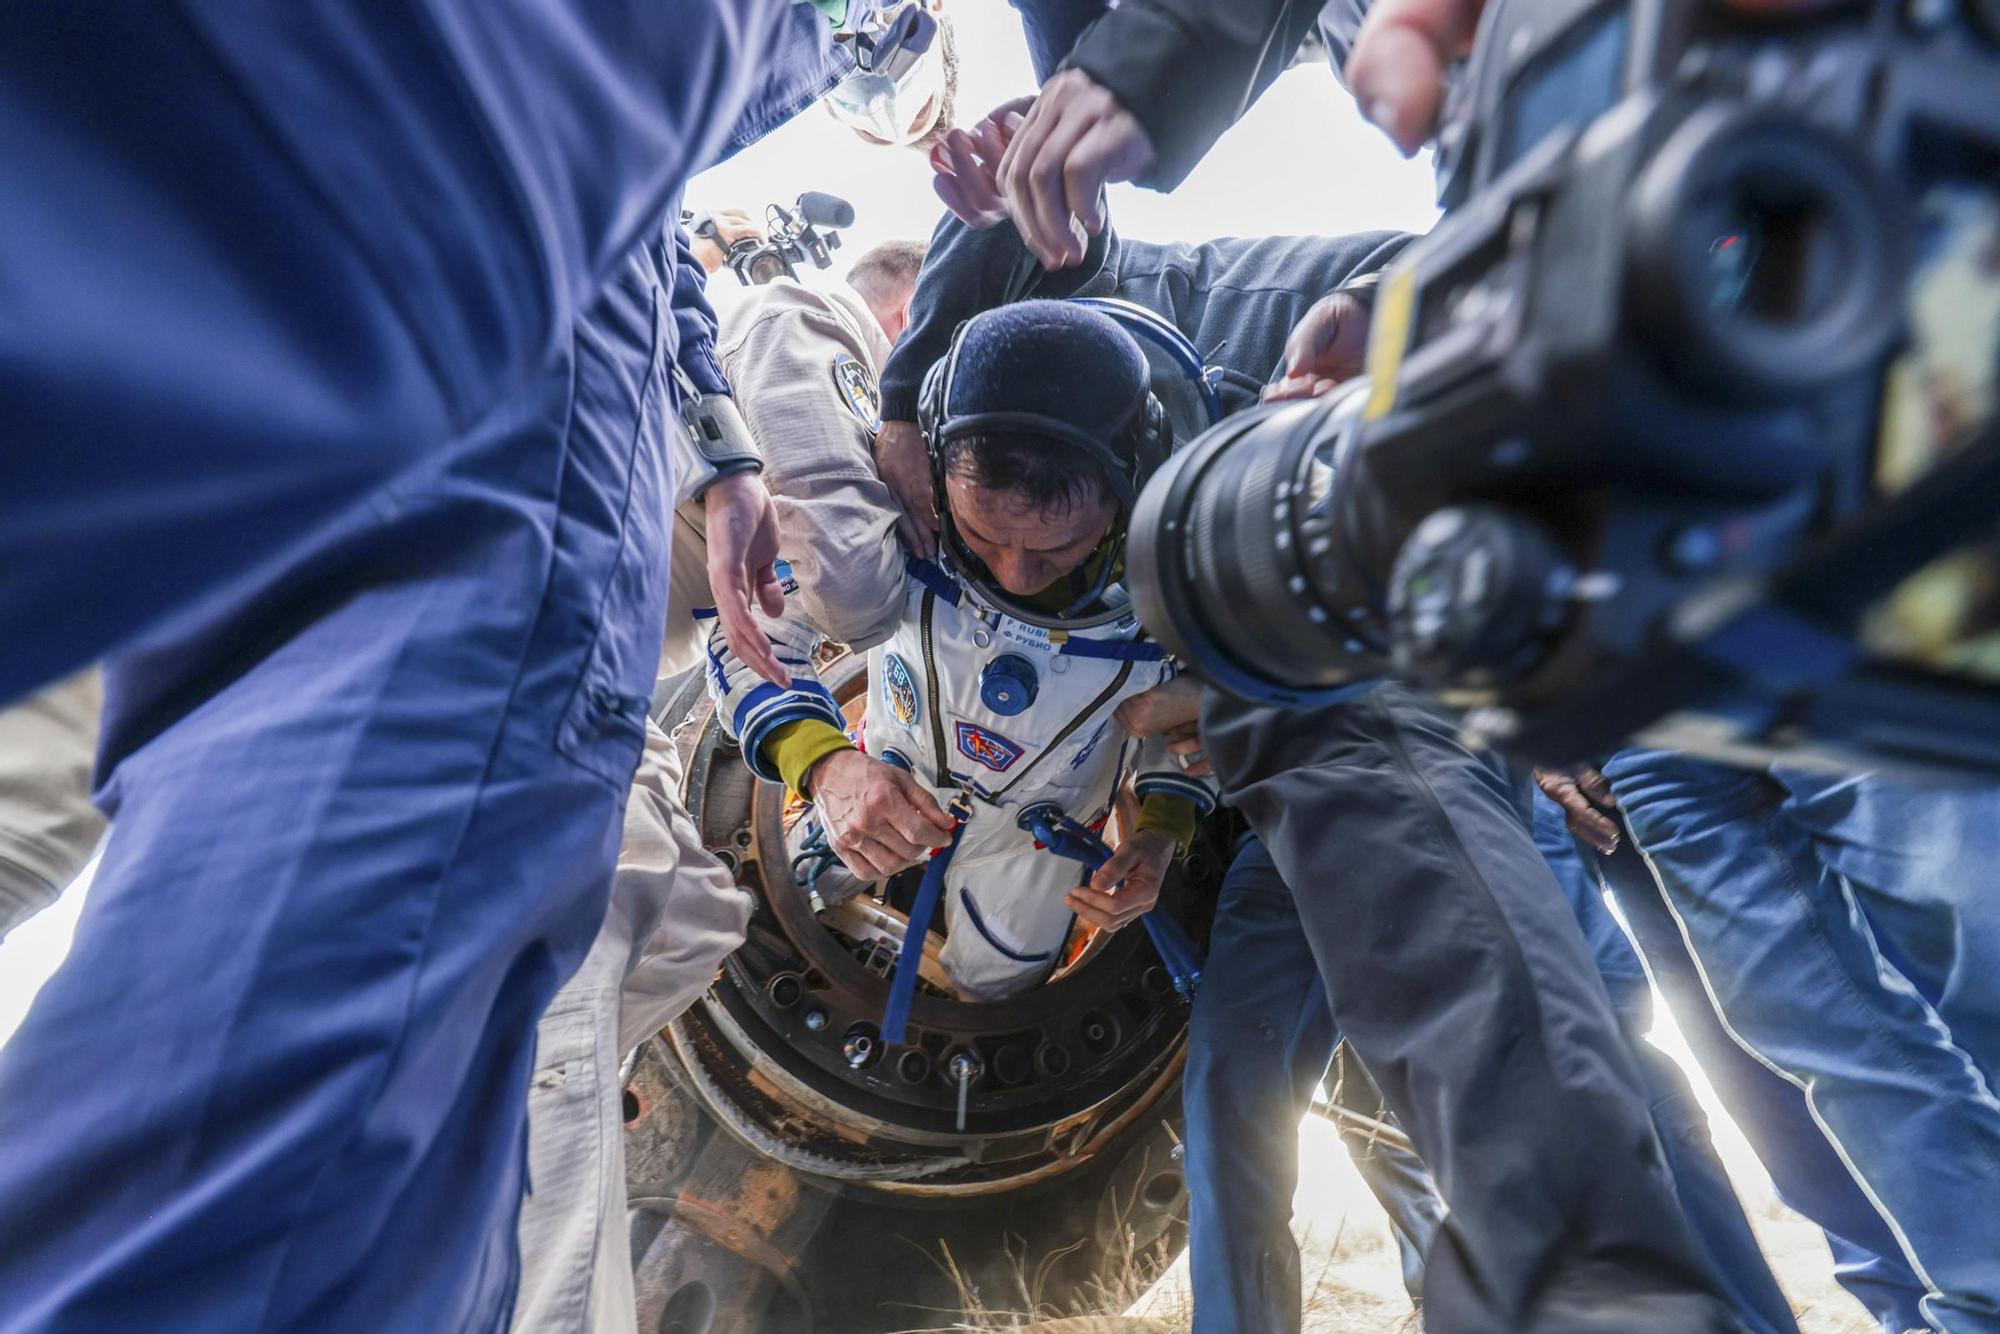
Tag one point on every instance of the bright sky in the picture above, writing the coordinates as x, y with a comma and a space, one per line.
1302, 161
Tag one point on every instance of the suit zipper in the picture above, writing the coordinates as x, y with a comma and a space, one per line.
1124, 672
944, 777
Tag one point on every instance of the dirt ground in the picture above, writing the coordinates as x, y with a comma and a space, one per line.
1353, 1284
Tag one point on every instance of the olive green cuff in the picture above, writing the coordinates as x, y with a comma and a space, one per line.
1172, 815
794, 748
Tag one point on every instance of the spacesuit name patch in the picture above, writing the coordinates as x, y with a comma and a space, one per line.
983, 745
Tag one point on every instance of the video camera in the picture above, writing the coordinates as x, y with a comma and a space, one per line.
1680, 423
792, 236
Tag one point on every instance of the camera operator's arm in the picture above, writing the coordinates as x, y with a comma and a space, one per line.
726, 226
1396, 69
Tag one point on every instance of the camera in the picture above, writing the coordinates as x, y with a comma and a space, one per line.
1680, 423
805, 232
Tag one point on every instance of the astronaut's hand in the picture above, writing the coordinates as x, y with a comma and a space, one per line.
1141, 862
1327, 347
878, 819
965, 165
742, 527
1585, 797
1076, 138
905, 468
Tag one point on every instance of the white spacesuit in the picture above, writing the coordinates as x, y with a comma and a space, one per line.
972, 699
972, 693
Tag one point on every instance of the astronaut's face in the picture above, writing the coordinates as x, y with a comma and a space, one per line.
1025, 546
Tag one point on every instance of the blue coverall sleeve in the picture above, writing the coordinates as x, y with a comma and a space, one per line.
263, 258
751, 708
694, 318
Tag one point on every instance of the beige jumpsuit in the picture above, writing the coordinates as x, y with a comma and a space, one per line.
802, 363
48, 828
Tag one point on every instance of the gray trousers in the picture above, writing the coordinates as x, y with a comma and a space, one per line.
1457, 971
675, 914
48, 828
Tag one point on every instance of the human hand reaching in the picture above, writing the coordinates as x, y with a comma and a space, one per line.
1075, 139
905, 468
742, 528
1127, 885
1328, 347
965, 165
1587, 802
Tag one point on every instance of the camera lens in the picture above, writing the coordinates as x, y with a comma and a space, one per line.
1235, 556
1476, 593
1766, 257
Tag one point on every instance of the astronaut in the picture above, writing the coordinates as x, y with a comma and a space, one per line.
997, 676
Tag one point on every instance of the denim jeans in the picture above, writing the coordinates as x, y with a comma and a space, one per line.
1823, 989
1769, 1110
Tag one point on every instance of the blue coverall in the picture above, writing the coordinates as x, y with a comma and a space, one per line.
1700, 1181
1458, 974
1770, 1110
1259, 1041
340, 333
256, 260
1846, 934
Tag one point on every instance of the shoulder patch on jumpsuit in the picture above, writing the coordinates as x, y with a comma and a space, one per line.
856, 384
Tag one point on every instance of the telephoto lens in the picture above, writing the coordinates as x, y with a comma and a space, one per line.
1259, 554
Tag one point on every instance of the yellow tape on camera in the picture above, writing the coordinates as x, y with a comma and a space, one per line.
1388, 340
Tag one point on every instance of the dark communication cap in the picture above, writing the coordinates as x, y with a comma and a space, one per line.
1054, 369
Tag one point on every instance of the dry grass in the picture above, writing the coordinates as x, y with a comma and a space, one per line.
1353, 1282
1026, 1306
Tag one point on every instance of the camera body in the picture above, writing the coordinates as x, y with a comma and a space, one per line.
1689, 391
804, 233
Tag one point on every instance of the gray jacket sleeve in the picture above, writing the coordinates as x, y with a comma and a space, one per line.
1189, 69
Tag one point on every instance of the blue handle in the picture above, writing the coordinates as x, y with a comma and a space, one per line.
910, 958
1067, 838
